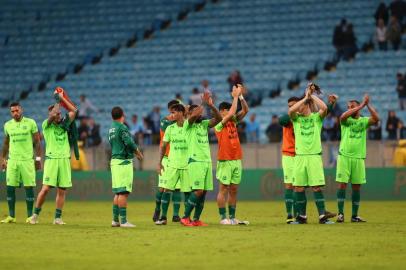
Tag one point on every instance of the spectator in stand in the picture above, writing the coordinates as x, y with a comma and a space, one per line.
399, 156
398, 10
380, 35
394, 32
154, 118
86, 107
147, 131
195, 98
242, 133
339, 38
350, 43
137, 129
375, 132
330, 124
274, 130
234, 79
179, 98
253, 129
392, 125
83, 131
93, 135
382, 13
401, 89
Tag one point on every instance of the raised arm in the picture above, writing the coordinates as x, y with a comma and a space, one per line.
332, 101
6, 144
54, 113
235, 93
350, 112
292, 112
195, 114
374, 118
71, 107
320, 104
209, 102
244, 105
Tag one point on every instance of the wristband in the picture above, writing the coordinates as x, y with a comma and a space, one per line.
37, 158
241, 97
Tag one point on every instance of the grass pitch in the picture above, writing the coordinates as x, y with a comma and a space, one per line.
88, 242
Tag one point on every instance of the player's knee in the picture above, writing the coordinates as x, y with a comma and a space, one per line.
288, 186
199, 193
316, 189
299, 189
356, 187
342, 185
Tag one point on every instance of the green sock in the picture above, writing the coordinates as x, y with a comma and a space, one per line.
166, 198
340, 200
289, 201
116, 213
158, 197
231, 211
58, 213
123, 214
11, 200
355, 197
37, 210
191, 203
176, 199
199, 207
186, 195
301, 202
319, 199
29, 199
223, 213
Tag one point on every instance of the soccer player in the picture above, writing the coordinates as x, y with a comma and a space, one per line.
57, 170
176, 196
199, 166
308, 169
176, 167
21, 134
352, 154
288, 154
229, 167
123, 149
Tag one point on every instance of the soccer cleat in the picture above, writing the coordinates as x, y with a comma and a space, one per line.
186, 222
9, 219
176, 219
58, 221
162, 221
156, 215
115, 224
225, 221
199, 223
300, 220
329, 214
323, 219
340, 218
357, 219
33, 219
127, 225
290, 219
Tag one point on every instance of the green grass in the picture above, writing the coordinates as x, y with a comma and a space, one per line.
87, 242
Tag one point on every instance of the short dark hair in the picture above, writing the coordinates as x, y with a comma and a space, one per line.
172, 102
294, 99
354, 100
224, 106
178, 108
50, 108
14, 104
117, 113
192, 107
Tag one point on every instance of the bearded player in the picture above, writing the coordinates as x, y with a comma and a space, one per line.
352, 154
21, 139
229, 167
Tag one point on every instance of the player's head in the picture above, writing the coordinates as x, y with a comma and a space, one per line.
171, 103
353, 104
16, 111
57, 111
292, 101
224, 107
117, 114
178, 112
192, 108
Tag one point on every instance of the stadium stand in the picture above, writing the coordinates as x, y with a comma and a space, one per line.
270, 42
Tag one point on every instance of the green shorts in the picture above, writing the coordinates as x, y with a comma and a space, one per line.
177, 179
288, 166
122, 172
350, 170
229, 171
57, 172
162, 177
20, 172
200, 175
308, 171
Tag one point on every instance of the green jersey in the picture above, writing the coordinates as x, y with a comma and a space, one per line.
56, 139
20, 138
178, 156
197, 135
354, 137
121, 142
307, 131
165, 123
